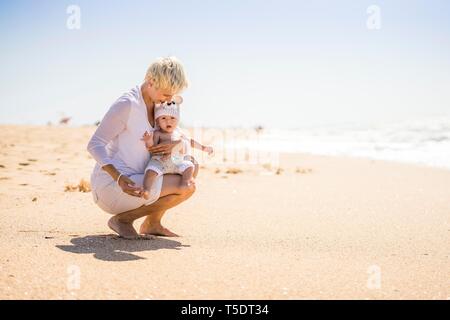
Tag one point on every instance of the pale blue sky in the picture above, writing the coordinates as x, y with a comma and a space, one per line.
277, 63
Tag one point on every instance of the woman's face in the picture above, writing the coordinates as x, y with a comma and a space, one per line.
167, 123
159, 95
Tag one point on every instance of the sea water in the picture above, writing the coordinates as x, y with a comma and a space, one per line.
425, 141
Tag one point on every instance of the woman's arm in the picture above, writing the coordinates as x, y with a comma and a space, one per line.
163, 148
113, 123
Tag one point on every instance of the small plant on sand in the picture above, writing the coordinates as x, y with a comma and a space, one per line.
303, 170
83, 186
233, 171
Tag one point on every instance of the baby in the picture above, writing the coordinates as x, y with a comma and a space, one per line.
167, 116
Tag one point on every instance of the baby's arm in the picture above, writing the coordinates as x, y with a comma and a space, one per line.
156, 137
148, 139
199, 146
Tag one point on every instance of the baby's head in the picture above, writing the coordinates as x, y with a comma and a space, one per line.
167, 114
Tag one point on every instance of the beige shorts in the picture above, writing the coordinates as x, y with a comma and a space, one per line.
110, 197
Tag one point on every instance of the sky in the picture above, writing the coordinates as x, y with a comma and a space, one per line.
281, 64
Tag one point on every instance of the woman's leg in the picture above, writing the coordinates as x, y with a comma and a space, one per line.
171, 195
152, 223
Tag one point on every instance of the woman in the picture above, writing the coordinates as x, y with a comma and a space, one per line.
117, 179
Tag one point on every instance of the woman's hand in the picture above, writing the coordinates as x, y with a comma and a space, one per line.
163, 148
126, 184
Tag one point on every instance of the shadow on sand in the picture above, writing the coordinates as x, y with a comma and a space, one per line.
112, 248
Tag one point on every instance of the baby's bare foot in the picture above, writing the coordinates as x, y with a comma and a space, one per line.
146, 194
187, 182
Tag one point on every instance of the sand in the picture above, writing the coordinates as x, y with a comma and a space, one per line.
340, 228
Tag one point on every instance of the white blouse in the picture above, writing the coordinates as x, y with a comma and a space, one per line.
117, 139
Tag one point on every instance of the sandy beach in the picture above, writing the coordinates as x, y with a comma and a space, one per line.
323, 228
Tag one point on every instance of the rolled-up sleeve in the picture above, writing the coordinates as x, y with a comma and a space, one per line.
112, 124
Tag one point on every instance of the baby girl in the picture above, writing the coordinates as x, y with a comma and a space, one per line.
167, 116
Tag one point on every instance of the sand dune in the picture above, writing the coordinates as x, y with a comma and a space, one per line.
314, 228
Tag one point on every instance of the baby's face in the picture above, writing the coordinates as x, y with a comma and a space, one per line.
167, 123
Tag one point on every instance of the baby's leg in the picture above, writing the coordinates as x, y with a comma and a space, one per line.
187, 177
149, 179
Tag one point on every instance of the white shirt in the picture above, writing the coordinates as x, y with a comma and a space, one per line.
117, 139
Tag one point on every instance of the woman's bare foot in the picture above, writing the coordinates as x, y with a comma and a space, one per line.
126, 230
156, 229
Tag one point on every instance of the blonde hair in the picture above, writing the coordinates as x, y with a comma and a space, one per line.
167, 73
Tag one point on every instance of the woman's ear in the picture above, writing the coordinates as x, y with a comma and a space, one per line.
150, 83
178, 99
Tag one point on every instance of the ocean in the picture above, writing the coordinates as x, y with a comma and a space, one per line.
425, 142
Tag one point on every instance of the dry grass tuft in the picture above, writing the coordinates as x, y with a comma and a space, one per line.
83, 186
233, 171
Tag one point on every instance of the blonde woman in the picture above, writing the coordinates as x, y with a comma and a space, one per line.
117, 179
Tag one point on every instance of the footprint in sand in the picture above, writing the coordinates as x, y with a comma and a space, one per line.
24, 164
47, 173
303, 170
